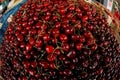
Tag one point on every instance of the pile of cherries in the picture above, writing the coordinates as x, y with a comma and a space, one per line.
59, 40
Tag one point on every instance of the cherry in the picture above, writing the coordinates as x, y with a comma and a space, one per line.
22, 45
79, 46
28, 27
85, 63
24, 24
69, 15
71, 54
32, 41
24, 78
35, 17
39, 24
99, 71
88, 34
28, 47
84, 18
52, 65
55, 32
26, 64
63, 38
84, 75
57, 25
32, 72
51, 57
54, 40
67, 72
62, 11
82, 39
46, 37
62, 57
49, 49
94, 47
19, 28
34, 64
72, 8
75, 37
69, 30
90, 27
79, 14
44, 64
20, 37
23, 32
38, 43
57, 52
65, 47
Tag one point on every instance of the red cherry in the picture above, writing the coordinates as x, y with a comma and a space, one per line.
72, 8
54, 40
79, 46
19, 28
44, 27
79, 14
69, 30
72, 66
55, 32
32, 41
57, 52
75, 37
65, 47
46, 37
38, 43
51, 57
49, 49
28, 47
88, 34
32, 72
28, 56
22, 44
90, 27
38, 25
28, 27
67, 72
24, 78
24, 24
52, 65
57, 25
26, 64
69, 15
84, 18
84, 74
62, 11
99, 71
24, 32
33, 64
20, 37
63, 38
77, 9
44, 64
55, 18
85, 63
62, 57
82, 39
35, 17
71, 54
107, 59
37, 76
94, 47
